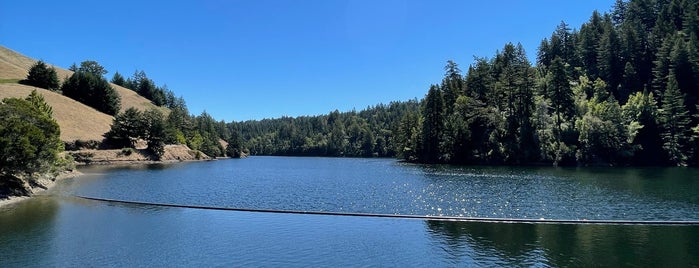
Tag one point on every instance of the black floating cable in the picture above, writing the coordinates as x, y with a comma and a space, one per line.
403, 216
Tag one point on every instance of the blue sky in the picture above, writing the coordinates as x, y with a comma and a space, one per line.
255, 59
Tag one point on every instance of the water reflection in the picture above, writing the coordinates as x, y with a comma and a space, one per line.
567, 245
24, 226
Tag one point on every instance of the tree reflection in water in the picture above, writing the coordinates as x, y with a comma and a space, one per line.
512, 244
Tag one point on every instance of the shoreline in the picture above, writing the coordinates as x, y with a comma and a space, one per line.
44, 184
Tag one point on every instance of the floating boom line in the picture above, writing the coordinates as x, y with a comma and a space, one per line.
402, 216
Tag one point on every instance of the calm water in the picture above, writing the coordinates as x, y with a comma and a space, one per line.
61, 230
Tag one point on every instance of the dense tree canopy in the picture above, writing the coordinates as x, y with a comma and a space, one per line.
622, 90
369, 132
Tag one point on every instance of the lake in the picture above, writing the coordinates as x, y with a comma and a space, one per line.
59, 229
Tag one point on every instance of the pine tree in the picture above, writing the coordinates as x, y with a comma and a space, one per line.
588, 44
619, 12
452, 85
561, 97
118, 80
42, 76
675, 119
629, 83
93, 91
433, 126
39, 103
608, 58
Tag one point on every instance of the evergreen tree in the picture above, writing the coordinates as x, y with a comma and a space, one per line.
127, 127
433, 126
154, 127
629, 84
675, 119
588, 44
43, 76
452, 85
619, 12
118, 80
90, 66
609, 59
561, 97
479, 79
408, 138
39, 103
93, 91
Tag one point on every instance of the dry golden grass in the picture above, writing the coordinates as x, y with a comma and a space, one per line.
77, 121
16, 66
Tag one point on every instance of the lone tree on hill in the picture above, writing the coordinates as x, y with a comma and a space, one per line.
43, 76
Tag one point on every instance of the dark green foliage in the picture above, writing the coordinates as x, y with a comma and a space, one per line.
675, 119
370, 132
93, 91
592, 99
234, 148
37, 100
29, 139
154, 127
91, 66
118, 79
642, 108
126, 129
452, 85
609, 59
432, 127
43, 76
133, 125
144, 86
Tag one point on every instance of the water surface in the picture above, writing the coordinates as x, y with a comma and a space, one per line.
61, 230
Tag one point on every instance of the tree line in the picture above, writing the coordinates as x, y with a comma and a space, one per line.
175, 126
621, 90
171, 124
365, 133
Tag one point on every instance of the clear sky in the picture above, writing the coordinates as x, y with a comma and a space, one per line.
255, 59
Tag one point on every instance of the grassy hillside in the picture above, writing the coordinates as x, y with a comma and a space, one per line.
77, 121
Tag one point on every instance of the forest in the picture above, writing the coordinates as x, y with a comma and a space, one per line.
620, 90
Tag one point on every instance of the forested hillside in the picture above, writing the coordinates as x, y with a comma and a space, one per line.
366, 133
622, 89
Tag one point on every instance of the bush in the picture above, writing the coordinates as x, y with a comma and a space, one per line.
126, 151
82, 144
